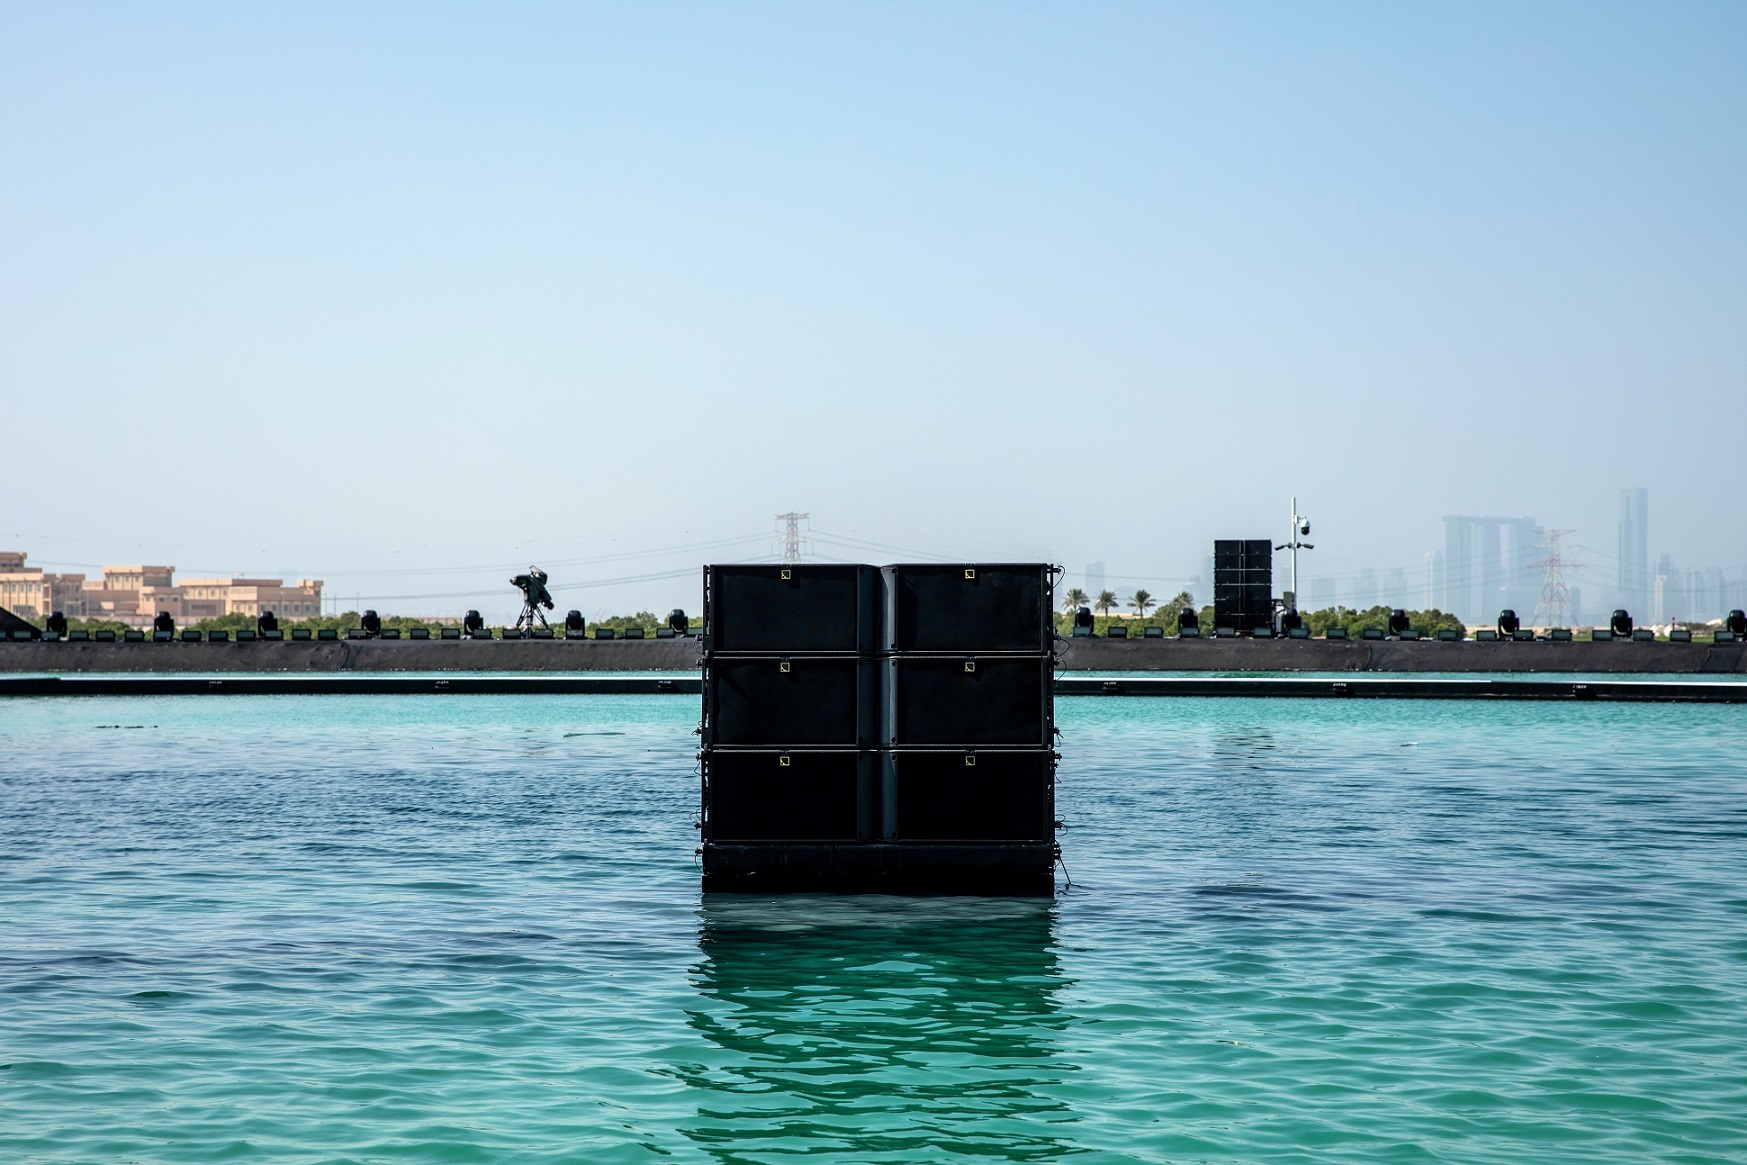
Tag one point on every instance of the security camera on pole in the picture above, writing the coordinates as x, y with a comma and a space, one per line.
1300, 531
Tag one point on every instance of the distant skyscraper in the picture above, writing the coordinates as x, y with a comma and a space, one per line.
1094, 578
1365, 590
1395, 592
1634, 555
1487, 567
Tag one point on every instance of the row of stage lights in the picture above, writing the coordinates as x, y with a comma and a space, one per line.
678, 626
1620, 626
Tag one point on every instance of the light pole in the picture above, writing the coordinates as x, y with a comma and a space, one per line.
1300, 530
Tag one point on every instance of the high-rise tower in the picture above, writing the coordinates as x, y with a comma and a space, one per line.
1634, 551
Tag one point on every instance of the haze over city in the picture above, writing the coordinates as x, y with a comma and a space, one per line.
407, 299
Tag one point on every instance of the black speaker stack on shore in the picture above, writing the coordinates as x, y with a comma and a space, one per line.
879, 729
1243, 584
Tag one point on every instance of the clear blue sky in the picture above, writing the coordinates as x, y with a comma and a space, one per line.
383, 292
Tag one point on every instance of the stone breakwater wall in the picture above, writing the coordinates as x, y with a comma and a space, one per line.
1088, 655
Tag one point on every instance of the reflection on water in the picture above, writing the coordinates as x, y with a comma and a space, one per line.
879, 1028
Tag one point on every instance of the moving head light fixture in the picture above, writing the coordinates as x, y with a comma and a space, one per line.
677, 622
573, 621
471, 622
1621, 624
267, 621
1398, 622
371, 622
1508, 623
57, 622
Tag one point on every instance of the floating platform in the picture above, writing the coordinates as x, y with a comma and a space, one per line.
1018, 869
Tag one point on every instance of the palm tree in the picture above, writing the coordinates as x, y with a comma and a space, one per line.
1141, 601
1106, 600
1076, 598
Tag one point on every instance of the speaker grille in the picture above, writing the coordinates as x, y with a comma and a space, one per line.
1004, 796
756, 796
964, 607
815, 608
791, 701
969, 701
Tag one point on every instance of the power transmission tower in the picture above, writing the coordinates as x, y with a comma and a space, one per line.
793, 541
1554, 609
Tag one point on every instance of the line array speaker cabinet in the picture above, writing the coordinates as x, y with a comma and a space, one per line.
781, 795
974, 796
879, 728
791, 609
792, 701
1243, 583
970, 701
1004, 607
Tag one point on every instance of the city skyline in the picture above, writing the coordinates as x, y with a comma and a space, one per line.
1485, 564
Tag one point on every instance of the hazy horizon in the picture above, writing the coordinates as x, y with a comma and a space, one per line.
408, 298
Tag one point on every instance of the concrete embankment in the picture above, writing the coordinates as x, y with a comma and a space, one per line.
1080, 655
1391, 655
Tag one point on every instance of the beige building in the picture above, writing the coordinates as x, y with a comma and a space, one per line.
31, 592
135, 595
206, 598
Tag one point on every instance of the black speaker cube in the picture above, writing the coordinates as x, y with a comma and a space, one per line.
991, 607
791, 701
791, 608
974, 796
782, 795
969, 701
879, 729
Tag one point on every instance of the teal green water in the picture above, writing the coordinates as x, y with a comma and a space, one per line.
468, 929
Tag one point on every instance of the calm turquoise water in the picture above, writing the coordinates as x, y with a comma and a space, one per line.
459, 929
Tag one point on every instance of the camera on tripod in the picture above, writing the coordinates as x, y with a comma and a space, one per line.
534, 597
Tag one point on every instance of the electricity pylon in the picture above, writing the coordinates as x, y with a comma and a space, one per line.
1554, 609
793, 542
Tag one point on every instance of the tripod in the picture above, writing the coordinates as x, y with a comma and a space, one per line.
530, 612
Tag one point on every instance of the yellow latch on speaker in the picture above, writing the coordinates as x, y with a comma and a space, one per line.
970, 572
783, 760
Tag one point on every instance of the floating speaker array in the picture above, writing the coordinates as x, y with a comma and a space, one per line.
879, 728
